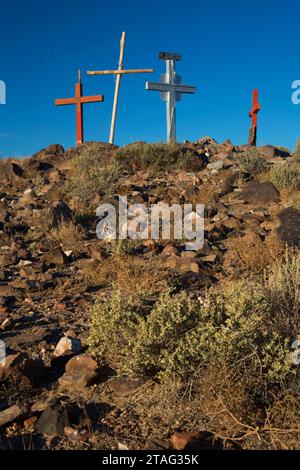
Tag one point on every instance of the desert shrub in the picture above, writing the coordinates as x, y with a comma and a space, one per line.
91, 174
155, 158
252, 162
296, 154
69, 235
180, 335
286, 175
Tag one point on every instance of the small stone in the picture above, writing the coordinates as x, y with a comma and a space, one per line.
52, 421
195, 440
125, 385
209, 258
80, 371
67, 344
30, 422
170, 250
217, 165
55, 257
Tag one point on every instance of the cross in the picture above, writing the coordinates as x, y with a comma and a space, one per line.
119, 73
79, 100
170, 89
256, 107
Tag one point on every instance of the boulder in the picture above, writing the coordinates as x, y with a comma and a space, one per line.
259, 193
289, 229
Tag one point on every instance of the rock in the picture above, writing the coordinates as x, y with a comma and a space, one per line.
53, 149
21, 368
183, 264
54, 257
170, 250
17, 169
10, 414
67, 344
26, 339
195, 440
289, 230
80, 371
260, 193
60, 211
8, 259
269, 151
217, 165
125, 385
30, 422
6, 291
96, 252
53, 421
209, 258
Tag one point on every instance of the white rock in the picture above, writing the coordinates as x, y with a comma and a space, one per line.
66, 344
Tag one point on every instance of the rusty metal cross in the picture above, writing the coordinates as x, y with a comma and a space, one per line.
79, 100
256, 107
119, 72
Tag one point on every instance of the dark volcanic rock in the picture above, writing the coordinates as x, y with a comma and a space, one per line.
53, 149
260, 193
125, 385
53, 421
289, 230
60, 211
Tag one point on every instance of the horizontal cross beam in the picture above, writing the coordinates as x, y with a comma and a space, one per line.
166, 87
79, 100
118, 72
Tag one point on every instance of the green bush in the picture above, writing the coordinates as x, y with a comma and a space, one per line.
252, 162
156, 158
92, 173
286, 175
178, 335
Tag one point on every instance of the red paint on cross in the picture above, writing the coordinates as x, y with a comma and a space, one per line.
256, 107
79, 100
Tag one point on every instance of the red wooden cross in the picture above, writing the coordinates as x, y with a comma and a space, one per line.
256, 107
79, 100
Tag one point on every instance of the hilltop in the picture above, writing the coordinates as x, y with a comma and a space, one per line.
140, 343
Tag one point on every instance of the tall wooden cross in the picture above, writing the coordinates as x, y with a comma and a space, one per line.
79, 100
170, 89
119, 72
256, 107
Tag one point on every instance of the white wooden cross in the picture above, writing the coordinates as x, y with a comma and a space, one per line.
119, 73
170, 89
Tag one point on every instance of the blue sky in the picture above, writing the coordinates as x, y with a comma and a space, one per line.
228, 48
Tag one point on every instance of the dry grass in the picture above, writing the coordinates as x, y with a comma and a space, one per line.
69, 235
256, 255
128, 273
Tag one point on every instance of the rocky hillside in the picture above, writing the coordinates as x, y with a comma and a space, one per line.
142, 344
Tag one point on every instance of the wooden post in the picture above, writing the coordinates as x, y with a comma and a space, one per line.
116, 97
